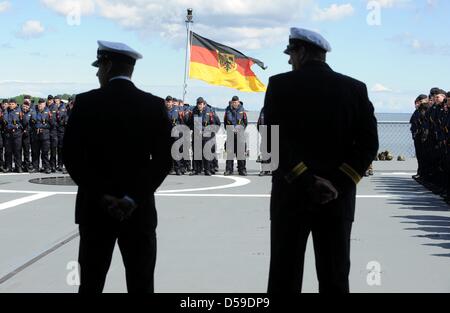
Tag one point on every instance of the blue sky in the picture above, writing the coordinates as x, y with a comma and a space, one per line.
47, 46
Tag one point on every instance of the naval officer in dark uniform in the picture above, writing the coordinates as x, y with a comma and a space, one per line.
323, 153
114, 205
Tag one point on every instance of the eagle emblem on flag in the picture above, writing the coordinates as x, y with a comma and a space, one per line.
227, 62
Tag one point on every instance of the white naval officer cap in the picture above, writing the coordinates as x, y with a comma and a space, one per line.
309, 36
116, 51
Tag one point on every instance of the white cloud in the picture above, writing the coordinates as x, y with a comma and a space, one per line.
391, 3
67, 7
4, 6
31, 29
251, 24
417, 45
333, 13
380, 88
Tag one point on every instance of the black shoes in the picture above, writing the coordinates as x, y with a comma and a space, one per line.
47, 171
228, 173
207, 173
265, 173
243, 172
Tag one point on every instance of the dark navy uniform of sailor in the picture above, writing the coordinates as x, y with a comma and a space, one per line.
336, 140
13, 134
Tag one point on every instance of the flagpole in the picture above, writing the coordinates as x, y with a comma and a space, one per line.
189, 21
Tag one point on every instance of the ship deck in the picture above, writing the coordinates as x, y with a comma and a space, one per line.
213, 235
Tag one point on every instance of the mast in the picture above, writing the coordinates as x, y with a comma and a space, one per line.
189, 21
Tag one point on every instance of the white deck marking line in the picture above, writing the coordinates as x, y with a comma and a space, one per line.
251, 195
238, 182
23, 200
225, 195
397, 174
39, 191
13, 174
43, 194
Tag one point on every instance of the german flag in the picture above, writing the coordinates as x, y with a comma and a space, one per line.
218, 64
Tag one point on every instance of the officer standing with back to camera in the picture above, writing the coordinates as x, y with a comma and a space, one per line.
322, 157
41, 123
117, 205
235, 121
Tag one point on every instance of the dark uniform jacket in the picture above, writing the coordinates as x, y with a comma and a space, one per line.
207, 117
117, 142
235, 117
13, 121
329, 130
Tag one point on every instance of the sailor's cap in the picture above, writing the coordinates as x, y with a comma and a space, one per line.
116, 51
421, 97
309, 36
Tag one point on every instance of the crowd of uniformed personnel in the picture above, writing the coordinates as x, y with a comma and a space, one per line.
32, 135
183, 114
430, 125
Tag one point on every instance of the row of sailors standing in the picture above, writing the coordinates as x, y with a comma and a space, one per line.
34, 131
198, 118
430, 125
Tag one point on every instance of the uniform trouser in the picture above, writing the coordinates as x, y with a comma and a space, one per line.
215, 162
177, 165
41, 147
292, 220
447, 171
138, 248
202, 164
432, 161
439, 173
26, 148
240, 163
13, 149
60, 148
419, 155
2, 160
266, 166
331, 238
53, 149
234, 154
187, 165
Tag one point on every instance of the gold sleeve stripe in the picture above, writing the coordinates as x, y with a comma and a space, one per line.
296, 172
350, 172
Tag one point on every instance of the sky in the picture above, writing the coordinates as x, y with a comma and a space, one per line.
399, 48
